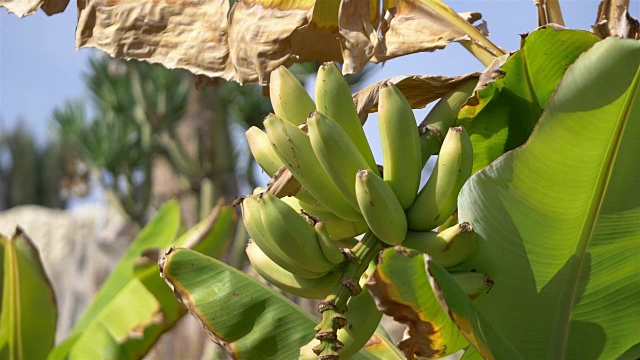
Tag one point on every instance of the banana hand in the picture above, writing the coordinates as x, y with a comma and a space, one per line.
401, 154
307, 288
438, 199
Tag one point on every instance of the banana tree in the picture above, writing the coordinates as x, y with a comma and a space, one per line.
527, 274
538, 261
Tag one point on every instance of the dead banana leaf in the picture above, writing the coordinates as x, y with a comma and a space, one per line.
189, 34
256, 36
27, 7
420, 90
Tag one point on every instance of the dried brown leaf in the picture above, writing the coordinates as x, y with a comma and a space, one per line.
27, 7
415, 27
419, 90
256, 36
189, 34
360, 36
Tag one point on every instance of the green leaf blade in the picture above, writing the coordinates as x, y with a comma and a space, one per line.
559, 218
135, 306
28, 310
501, 116
245, 317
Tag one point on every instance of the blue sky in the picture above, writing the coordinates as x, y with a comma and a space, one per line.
40, 68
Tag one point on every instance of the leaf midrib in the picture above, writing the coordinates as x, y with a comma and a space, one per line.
14, 309
595, 206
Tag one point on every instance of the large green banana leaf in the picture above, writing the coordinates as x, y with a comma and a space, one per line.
558, 220
247, 318
28, 311
501, 115
402, 290
134, 306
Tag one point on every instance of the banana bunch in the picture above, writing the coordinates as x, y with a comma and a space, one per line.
304, 244
324, 147
287, 250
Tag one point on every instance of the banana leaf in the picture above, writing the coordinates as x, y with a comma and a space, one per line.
401, 288
28, 311
558, 220
248, 319
503, 112
134, 306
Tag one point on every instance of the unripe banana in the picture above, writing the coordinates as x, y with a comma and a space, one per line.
401, 155
294, 149
438, 199
472, 283
262, 150
333, 98
293, 234
380, 208
337, 227
329, 247
443, 116
448, 248
308, 288
289, 98
363, 318
337, 154
255, 227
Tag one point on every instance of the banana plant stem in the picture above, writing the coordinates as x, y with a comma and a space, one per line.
335, 304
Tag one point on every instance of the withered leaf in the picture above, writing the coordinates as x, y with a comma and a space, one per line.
256, 36
27, 7
420, 90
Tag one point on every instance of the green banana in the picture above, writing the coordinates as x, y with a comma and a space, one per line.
381, 208
251, 215
293, 234
329, 246
289, 98
448, 248
438, 198
337, 227
333, 98
294, 149
401, 155
262, 150
337, 154
363, 318
473, 284
442, 117
308, 288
